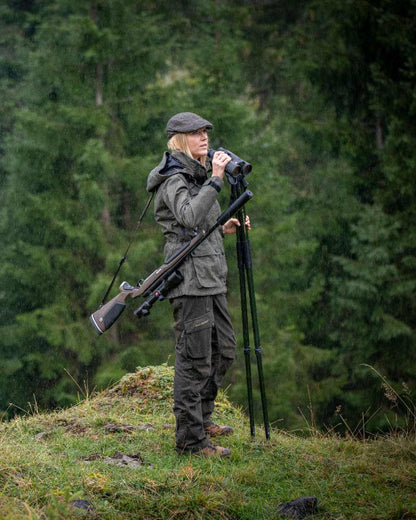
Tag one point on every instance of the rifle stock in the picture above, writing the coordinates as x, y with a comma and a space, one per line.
103, 318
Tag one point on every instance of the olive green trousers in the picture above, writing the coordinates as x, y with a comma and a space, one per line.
205, 349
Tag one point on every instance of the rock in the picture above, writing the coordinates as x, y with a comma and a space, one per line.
125, 460
299, 508
82, 504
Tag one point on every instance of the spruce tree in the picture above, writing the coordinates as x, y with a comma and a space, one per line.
69, 169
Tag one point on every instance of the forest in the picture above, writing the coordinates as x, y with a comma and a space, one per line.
318, 95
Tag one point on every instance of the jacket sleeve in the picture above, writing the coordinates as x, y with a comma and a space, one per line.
189, 211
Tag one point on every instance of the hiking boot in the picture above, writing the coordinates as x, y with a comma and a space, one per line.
214, 451
213, 430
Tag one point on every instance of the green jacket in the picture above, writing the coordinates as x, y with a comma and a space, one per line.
186, 203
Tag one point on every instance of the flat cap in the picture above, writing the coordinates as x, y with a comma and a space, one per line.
185, 122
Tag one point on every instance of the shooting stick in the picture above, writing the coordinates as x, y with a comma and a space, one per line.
245, 269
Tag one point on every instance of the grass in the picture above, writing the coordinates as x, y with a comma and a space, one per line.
50, 460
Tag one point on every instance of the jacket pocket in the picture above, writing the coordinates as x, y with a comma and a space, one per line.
210, 266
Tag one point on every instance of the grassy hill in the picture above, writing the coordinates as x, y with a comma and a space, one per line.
112, 457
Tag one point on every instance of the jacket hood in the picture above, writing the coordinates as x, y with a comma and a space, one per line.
171, 164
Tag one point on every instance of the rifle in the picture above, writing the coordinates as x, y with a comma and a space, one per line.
163, 279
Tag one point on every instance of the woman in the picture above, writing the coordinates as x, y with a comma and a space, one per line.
185, 203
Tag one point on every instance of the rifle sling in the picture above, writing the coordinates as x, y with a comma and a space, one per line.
124, 258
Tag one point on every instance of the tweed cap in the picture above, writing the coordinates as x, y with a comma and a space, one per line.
185, 122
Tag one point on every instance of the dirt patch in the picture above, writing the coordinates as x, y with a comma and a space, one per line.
118, 459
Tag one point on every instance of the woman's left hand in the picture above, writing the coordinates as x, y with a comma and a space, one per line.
230, 227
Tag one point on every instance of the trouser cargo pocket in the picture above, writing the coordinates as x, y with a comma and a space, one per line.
197, 337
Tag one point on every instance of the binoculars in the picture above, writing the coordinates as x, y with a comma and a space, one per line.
236, 166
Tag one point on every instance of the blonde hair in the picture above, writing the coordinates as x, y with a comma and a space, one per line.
179, 143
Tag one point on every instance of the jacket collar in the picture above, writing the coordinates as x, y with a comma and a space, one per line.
193, 167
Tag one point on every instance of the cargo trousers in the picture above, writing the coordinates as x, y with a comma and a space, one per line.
205, 349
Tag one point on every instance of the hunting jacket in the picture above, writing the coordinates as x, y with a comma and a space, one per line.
186, 203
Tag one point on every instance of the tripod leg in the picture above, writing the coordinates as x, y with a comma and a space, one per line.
246, 253
246, 336
245, 270
257, 345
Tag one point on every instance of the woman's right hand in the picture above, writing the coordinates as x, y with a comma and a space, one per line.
219, 162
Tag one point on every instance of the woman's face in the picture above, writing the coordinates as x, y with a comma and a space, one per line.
198, 143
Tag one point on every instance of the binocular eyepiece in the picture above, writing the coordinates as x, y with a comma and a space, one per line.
236, 166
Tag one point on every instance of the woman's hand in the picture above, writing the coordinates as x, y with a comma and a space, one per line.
230, 227
219, 162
